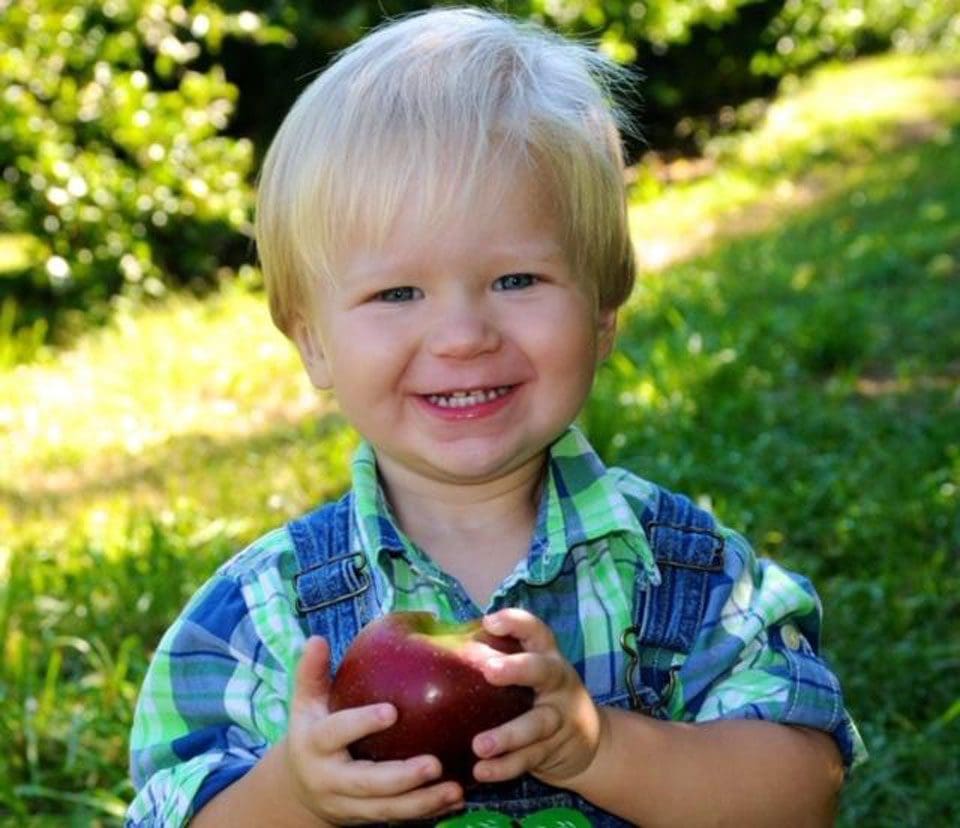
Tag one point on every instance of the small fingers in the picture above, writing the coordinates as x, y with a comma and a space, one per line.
354, 792
536, 725
344, 727
417, 804
511, 765
526, 669
312, 677
364, 779
530, 631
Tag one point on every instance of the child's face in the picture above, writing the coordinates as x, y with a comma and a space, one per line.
460, 351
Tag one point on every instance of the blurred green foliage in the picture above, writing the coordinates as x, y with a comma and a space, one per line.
114, 164
699, 58
695, 57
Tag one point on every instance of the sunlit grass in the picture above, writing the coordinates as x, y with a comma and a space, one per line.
841, 110
138, 415
801, 373
152, 376
799, 152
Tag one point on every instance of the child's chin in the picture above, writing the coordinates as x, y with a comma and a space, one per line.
485, 465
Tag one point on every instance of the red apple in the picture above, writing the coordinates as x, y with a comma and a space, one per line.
427, 669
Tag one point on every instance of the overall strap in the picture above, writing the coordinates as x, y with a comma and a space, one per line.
689, 552
333, 580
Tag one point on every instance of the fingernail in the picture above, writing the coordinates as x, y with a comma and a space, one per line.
385, 713
494, 624
485, 745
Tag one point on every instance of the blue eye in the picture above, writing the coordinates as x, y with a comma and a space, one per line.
399, 294
515, 281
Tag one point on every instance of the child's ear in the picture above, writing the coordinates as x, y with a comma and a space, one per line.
606, 332
305, 336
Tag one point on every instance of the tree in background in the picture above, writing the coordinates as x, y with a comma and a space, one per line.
116, 170
697, 58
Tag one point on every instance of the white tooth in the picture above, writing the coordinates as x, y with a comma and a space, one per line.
462, 399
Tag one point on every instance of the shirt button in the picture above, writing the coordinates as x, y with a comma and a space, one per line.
791, 636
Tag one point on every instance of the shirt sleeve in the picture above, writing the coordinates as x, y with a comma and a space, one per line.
207, 710
757, 655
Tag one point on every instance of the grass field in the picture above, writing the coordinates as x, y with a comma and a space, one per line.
791, 357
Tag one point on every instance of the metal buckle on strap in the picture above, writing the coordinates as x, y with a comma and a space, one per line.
651, 708
633, 664
359, 568
716, 560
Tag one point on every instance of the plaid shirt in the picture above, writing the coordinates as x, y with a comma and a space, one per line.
217, 692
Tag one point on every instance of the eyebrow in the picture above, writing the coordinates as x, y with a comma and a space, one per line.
374, 267
548, 252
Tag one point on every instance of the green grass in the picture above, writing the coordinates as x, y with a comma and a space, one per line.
797, 366
796, 153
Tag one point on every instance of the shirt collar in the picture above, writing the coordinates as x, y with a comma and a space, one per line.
374, 520
581, 503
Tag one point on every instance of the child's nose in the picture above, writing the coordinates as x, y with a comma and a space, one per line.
463, 333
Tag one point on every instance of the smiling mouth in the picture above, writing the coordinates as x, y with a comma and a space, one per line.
465, 399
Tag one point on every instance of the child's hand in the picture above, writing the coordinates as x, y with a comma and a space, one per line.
335, 787
556, 740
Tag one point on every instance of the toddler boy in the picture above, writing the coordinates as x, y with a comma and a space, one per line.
443, 232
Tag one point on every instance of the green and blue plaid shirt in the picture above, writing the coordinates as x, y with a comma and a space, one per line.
217, 693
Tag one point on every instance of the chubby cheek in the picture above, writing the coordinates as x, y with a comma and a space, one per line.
569, 350
368, 354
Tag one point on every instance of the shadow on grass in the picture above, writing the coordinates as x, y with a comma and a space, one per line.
271, 474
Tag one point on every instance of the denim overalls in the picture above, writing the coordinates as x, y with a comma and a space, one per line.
333, 589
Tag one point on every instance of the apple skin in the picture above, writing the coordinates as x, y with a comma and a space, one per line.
423, 668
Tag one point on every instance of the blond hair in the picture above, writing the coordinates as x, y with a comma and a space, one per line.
437, 102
